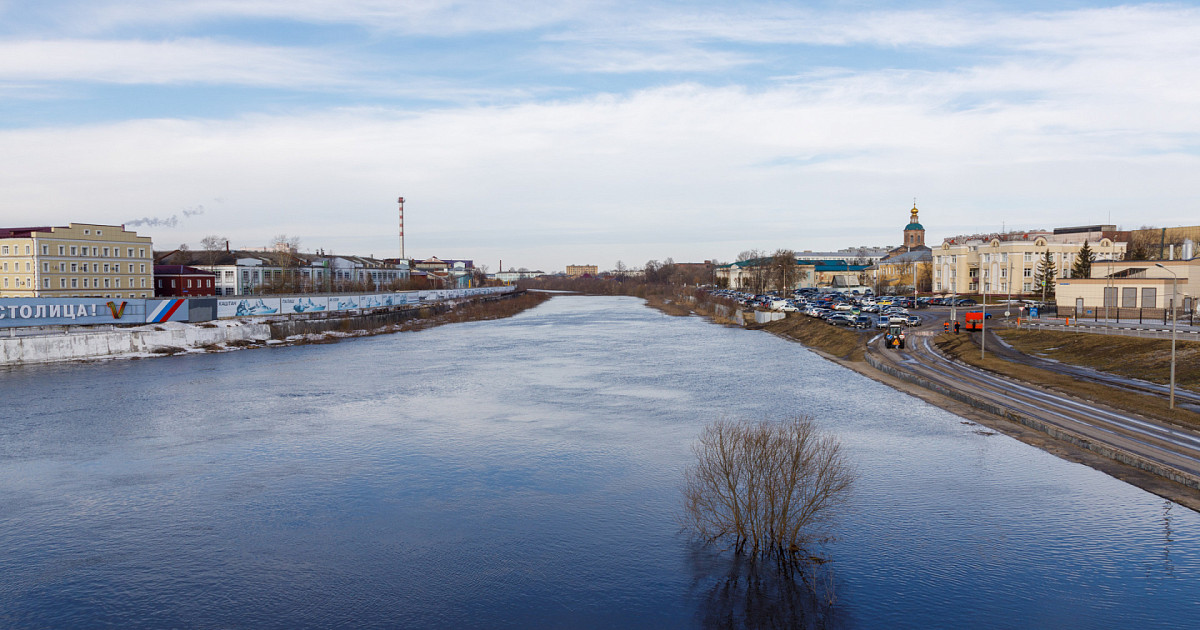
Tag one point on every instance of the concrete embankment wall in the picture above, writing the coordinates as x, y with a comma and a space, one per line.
95, 345
1162, 470
82, 345
318, 323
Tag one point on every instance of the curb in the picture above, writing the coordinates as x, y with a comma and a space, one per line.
1113, 453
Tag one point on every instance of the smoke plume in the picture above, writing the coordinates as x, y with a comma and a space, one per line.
170, 221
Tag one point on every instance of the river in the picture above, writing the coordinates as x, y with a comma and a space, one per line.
525, 473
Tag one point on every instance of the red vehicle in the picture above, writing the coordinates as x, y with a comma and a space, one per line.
975, 320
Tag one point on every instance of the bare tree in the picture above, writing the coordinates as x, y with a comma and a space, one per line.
765, 489
213, 245
783, 271
285, 243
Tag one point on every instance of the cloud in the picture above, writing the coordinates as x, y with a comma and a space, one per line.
801, 166
164, 62
441, 18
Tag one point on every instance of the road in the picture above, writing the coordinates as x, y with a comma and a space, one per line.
1152, 441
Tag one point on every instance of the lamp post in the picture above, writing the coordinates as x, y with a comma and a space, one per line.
983, 321
1174, 322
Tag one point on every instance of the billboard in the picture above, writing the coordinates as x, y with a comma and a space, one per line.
15, 312
303, 304
175, 310
247, 307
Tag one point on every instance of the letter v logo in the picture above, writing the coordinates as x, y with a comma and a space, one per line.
116, 312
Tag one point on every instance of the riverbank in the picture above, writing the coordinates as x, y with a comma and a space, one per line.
848, 347
172, 338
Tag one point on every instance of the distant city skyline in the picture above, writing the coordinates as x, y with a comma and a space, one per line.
589, 132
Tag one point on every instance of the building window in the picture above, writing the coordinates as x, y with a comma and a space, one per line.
74, 283
74, 251
1028, 256
1129, 297
130, 256
61, 250
74, 267
99, 232
87, 231
45, 250
141, 252
4, 250
46, 267
6, 283
85, 283
143, 283
1110, 297
45, 283
130, 267
106, 283
95, 251
172, 283
106, 254
117, 283
1149, 297
143, 268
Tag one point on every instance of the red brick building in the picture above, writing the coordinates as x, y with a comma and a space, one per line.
183, 281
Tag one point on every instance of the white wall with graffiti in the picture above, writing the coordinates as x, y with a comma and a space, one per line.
21, 312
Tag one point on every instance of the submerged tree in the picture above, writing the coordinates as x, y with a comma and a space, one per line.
765, 489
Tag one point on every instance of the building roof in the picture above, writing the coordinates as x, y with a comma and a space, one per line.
22, 232
914, 226
179, 270
916, 254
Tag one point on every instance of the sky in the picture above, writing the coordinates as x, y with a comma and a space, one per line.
543, 134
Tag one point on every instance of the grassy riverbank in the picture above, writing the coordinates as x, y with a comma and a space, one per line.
841, 342
963, 348
1147, 359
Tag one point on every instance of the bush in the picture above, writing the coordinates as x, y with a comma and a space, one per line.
765, 489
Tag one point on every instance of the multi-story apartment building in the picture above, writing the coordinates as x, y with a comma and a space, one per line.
79, 260
1007, 263
576, 271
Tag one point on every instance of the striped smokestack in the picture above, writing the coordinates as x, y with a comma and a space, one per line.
402, 228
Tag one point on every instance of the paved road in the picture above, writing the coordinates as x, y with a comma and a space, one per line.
1156, 442
934, 317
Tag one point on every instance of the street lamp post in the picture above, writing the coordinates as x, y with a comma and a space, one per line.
1174, 322
983, 321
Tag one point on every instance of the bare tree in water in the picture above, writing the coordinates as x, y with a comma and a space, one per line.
765, 489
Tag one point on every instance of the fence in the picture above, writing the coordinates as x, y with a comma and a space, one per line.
1130, 315
46, 312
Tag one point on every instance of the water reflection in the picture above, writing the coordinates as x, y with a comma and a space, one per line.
738, 592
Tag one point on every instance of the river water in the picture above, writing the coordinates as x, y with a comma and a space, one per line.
525, 473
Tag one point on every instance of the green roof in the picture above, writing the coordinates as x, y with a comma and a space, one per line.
914, 226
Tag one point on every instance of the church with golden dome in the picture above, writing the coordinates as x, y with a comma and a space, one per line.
894, 272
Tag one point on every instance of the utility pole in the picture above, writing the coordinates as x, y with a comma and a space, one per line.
1174, 324
983, 322
401, 228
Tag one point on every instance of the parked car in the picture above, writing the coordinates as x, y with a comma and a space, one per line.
883, 322
840, 320
912, 320
863, 321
